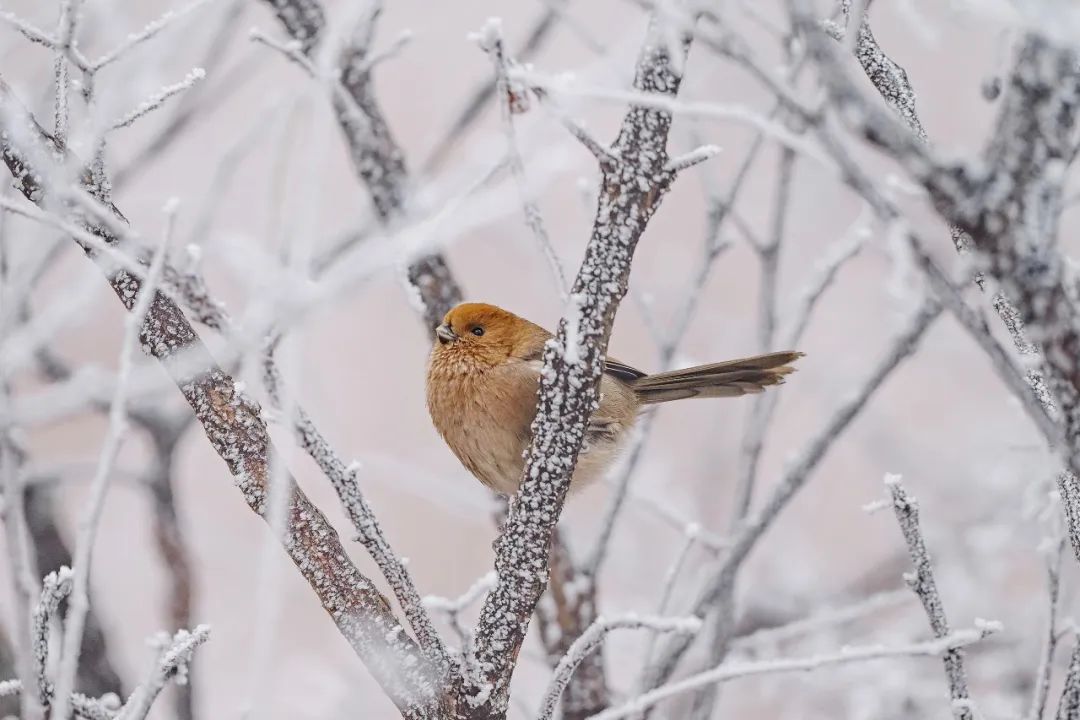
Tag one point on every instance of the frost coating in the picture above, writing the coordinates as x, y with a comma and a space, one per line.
921, 581
233, 424
635, 178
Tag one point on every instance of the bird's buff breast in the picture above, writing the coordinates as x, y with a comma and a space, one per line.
485, 418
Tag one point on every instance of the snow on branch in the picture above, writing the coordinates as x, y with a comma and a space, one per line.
234, 425
1069, 705
513, 99
733, 670
149, 31
79, 605
159, 98
631, 191
375, 153
923, 585
28, 31
1009, 211
594, 636
54, 588
719, 586
344, 479
173, 659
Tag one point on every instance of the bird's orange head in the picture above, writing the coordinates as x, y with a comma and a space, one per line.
483, 336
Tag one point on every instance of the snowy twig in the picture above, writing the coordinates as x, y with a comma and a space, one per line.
67, 25
74, 622
149, 31
694, 157
923, 585
31, 33
235, 428
1041, 692
829, 618
453, 607
186, 110
690, 537
343, 477
631, 192
18, 541
594, 636
719, 586
376, 156
480, 97
174, 657
159, 98
472, 594
55, 587
508, 98
1069, 705
733, 670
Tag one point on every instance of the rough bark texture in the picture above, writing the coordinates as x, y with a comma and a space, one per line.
635, 178
376, 155
237, 432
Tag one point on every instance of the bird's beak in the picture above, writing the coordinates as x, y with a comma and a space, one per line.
445, 334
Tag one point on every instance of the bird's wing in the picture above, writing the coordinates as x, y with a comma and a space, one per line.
533, 351
622, 371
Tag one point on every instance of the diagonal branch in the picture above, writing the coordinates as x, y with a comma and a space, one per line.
375, 153
1007, 211
234, 425
924, 586
719, 587
630, 193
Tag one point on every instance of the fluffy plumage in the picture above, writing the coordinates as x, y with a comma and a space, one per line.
482, 382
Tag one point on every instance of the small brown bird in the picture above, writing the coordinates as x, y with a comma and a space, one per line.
483, 377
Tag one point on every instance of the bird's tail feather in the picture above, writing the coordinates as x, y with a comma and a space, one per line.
726, 379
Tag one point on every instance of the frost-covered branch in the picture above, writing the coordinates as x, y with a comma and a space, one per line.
513, 99
732, 670
172, 662
78, 606
54, 589
631, 191
149, 31
234, 425
344, 478
159, 98
1069, 705
1050, 641
376, 156
1006, 208
719, 586
18, 543
594, 636
922, 583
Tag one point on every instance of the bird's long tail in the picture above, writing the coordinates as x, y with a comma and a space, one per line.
726, 379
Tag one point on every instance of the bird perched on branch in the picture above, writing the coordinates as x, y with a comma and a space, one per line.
484, 374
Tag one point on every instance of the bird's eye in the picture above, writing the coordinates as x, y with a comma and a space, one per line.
478, 331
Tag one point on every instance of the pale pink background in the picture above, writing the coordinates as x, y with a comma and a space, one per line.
943, 420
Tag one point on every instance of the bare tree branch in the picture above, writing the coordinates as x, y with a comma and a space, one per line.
236, 430
377, 158
718, 588
631, 191
922, 583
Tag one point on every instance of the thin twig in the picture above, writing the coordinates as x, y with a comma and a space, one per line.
74, 622
171, 663
923, 585
735, 670
718, 588
594, 636
509, 97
